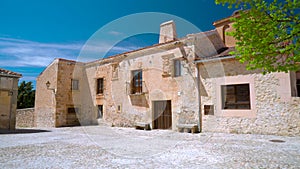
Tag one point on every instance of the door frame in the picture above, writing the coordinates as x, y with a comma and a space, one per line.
153, 114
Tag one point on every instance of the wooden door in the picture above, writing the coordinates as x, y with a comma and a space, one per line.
162, 114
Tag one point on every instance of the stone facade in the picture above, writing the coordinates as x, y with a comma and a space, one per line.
178, 81
224, 26
54, 105
25, 118
8, 98
122, 108
273, 109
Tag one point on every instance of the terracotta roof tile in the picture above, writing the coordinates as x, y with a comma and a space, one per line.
9, 73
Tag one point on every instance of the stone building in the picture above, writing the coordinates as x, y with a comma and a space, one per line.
191, 80
8, 98
56, 87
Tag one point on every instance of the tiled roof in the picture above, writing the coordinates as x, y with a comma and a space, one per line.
9, 73
136, 50
178, 41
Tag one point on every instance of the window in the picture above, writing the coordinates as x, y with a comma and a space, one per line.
235, 96
75, 84
137, 81
100, 112
208, 110
177, 68
100, 86
73, 110
119, 108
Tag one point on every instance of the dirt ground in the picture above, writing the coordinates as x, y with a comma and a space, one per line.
113, 147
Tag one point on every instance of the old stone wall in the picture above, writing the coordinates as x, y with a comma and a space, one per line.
273, 110
25, 118
45, 99
124, 109
223, 27
52, 104
8, 102
65, 93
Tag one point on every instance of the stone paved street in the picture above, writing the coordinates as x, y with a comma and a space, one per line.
106, 147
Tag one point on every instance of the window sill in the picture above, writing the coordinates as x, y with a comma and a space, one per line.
99, 96
248, 113
137, 94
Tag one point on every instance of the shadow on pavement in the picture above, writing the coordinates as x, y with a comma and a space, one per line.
22, 131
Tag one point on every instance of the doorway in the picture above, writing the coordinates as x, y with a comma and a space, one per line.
162, 118
100, 112
72, 119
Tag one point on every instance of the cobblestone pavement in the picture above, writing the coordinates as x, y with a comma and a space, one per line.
106, 147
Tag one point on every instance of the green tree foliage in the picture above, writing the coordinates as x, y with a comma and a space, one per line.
268, 34
26, 95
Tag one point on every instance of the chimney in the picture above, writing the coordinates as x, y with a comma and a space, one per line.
167, 32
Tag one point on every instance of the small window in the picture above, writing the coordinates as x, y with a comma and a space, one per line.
235, 96
100, 112
73, 110
119, 108
75, 84
100, 86
137, 81
177, 68
208, 110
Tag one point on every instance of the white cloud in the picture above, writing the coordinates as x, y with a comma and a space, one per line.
19, 52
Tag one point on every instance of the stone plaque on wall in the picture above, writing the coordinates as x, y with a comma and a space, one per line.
115, 71
167, 66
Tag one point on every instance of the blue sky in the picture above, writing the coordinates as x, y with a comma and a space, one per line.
33, 32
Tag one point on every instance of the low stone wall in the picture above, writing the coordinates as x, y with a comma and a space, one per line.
25, 117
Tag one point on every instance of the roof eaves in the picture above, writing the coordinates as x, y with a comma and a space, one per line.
212, 59
8, 73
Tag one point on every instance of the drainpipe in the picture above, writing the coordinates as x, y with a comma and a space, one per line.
199, 102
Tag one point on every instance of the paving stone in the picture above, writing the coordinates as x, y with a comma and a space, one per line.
113, 147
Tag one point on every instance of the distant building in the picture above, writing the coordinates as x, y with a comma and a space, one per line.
8, 98
191, 80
